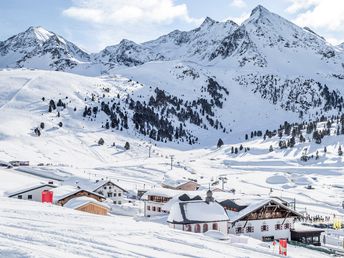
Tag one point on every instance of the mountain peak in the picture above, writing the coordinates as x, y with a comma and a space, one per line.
39, 32
208, 22
260, 10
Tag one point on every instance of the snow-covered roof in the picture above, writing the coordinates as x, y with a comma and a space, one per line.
168, 181
235, 216
93, 186
67, 190
196, 212
29, 188
83, 200
179, 198
164, 192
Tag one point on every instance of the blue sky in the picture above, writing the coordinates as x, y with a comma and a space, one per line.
94, 24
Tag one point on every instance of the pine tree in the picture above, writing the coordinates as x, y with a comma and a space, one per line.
325, 149
340, 152
246, 137
127, 146
41, 125
271, 149
236, 150
317, 155
101, 141
219, 143
241, 147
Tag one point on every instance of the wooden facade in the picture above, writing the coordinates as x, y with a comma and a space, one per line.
94, 209
79, 194
269, 211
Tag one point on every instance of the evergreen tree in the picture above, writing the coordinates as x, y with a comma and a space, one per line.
325, 149
219, 143
340, 152
317, 155
41, 125
271, 149
60, 124
241, 147
246, 137
101, 141
127, 146
236, 150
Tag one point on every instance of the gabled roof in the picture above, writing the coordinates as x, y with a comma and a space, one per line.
164, 192
104, 182
82, 201
235, 216
196, 212
68, 190
30, 188
94, 186
174, 183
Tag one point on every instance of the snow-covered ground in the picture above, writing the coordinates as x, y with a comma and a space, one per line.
71, 153
30, 229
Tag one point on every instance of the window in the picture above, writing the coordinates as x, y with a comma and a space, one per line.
109, 194
114, 194
249, 229
110, 187
197, 228
264, 228
119, 194
188, 228
239, 230
119, 202
29, 197
148, 208
215, 226
153, 208
205, 227
287, 226
20, 197
159, 209
114, 202
278, 226
105, 187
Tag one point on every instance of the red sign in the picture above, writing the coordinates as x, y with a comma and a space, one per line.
47, 196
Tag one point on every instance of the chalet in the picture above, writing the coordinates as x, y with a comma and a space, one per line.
33, 192
87, 204
199, 216
265, 220
155, 199
185, 185
108, 189
65, 193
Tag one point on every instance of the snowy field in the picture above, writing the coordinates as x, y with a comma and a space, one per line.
37, 230
71, 153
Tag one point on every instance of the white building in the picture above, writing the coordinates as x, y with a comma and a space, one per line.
110, 190
265, 220
33, 192
199, 216
155, 199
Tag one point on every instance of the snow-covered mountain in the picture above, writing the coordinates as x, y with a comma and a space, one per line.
38, 48
195, 82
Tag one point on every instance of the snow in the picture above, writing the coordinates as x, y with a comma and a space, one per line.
41, 230
198, 211
81, 201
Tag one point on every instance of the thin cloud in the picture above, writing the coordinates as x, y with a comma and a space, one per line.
125, 11
238, 3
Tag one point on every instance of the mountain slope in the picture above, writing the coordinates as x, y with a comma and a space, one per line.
41, 49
